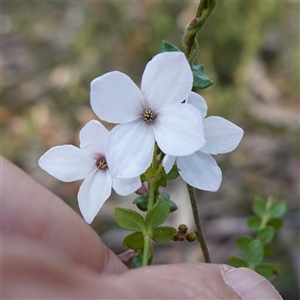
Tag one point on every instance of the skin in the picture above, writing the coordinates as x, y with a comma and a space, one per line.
48, 251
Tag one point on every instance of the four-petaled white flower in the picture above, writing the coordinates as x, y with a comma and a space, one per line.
154, 113
199, 169
69, 163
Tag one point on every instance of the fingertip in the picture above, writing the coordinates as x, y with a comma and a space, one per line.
249, 284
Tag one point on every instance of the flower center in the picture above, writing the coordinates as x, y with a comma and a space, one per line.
149, 115
101, 163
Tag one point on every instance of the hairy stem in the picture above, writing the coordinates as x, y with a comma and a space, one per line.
146, 252
204, 10
200, 235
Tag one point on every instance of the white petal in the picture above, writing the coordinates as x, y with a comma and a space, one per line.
178, 129
221, 135
199, 102
129, 149
115, 98
168, 162
125, 187
167, 79
93, 138
67, 163
92, 194
200, 170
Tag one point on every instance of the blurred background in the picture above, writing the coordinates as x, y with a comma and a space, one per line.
52, 50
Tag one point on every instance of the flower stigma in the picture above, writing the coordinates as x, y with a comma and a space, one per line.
101, 163
149, 115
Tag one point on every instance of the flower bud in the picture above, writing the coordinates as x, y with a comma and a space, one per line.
190, 237
182, 228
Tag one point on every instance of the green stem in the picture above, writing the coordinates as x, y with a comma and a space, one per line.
152, 192
200, 235
204, 10
146, 252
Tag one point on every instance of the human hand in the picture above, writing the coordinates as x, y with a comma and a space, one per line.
48, 251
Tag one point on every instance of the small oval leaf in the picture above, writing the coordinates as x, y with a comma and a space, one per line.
134, 241
267, 270
237, 262
254, 254
276, 223
141, 202
157, 214
259, 206
254, 223
172, 204
129, 219
266, 234
168, 47
243, 242
201, 80
163, 234
277, 209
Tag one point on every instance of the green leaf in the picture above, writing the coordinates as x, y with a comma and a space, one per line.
237, 262
161, 182
259, 206
163, 234
266, 234
201, 80
267, 270
254, 223
172, 205
129, 219
277, 209
254, 253
276, 223
137, 260
243, 242
134, 240
168, 47
268, 251
173, 174
157, 214
141, 202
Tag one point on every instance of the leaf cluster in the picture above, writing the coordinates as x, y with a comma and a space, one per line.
201, 80
265, 223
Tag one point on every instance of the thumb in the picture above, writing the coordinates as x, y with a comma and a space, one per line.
249, 285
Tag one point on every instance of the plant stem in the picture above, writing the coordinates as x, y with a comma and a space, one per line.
204, 10
147, 245
200, 235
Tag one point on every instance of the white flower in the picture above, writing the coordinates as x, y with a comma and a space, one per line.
154, 113
199, 169
69, 163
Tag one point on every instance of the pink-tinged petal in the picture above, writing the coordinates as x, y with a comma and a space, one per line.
93, 138
115, 98
167, 79
221, 135
67, 163
199, 102
200, 170
126, 186
129, 149
168, 162
93, 192
178, 130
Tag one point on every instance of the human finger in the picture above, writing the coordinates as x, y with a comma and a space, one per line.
32, 211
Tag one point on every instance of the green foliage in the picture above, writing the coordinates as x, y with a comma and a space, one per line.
129, 219
168, 47
265, 223
141, 202
201, 80
137, 260
157, 214
134, 240
173, 174
163, 234
172, 205
237, 262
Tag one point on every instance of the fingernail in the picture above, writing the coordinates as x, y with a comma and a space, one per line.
249, 285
